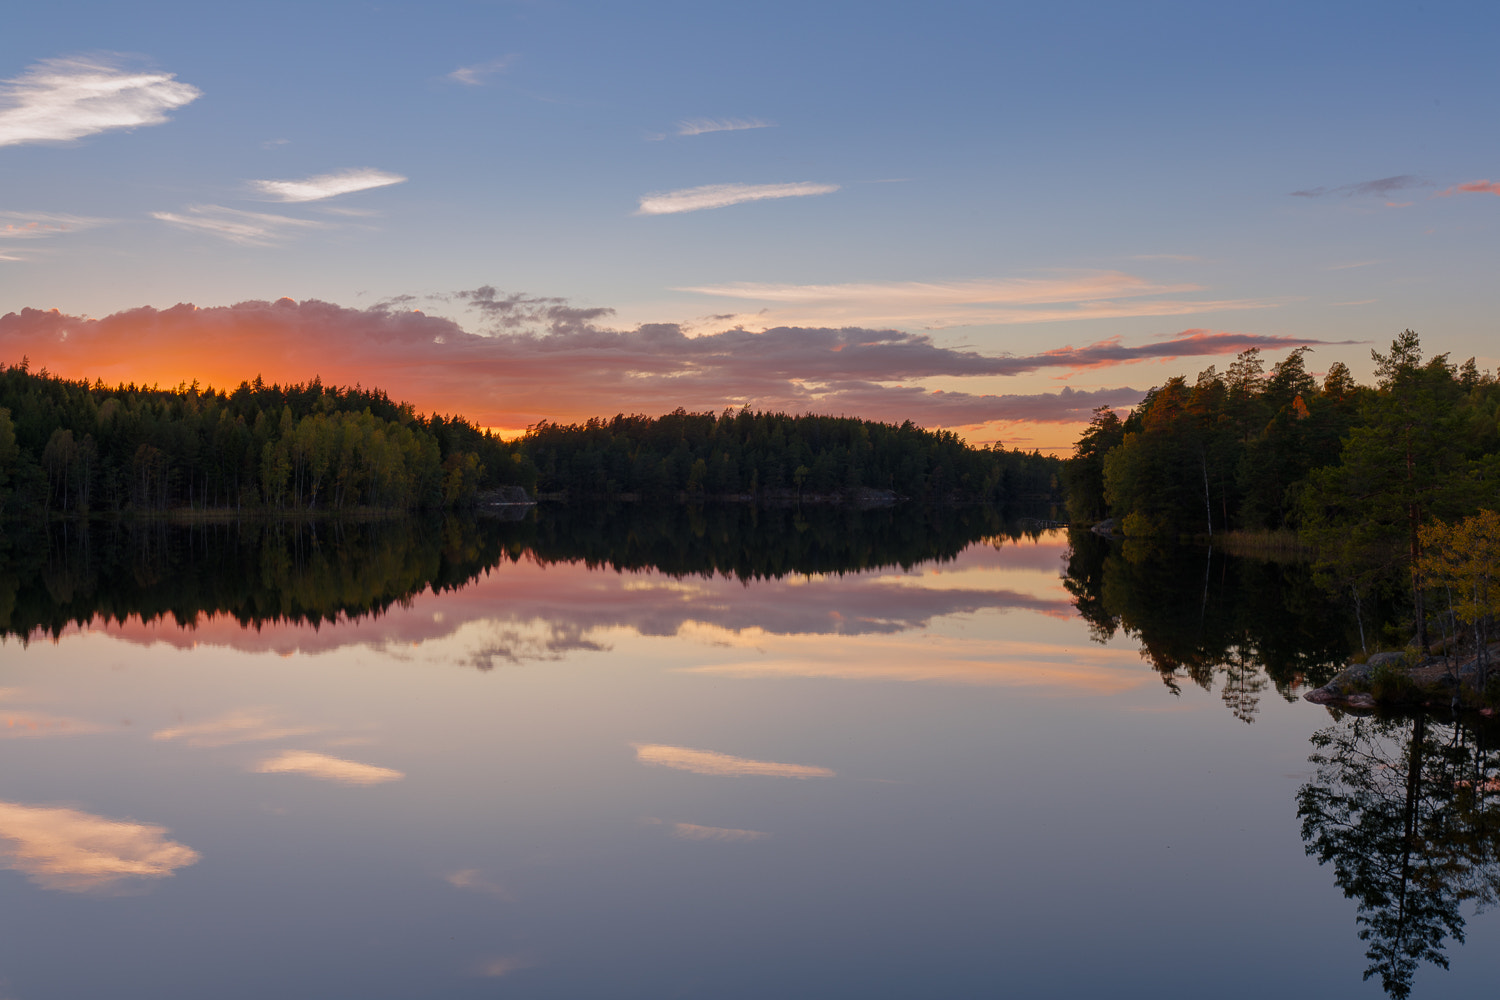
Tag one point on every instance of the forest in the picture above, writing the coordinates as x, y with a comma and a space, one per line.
77, 448
742, 453
1390, 487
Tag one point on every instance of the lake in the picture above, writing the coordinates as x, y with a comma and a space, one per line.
722, 752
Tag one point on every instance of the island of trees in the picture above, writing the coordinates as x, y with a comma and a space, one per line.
1390, 488
76, 448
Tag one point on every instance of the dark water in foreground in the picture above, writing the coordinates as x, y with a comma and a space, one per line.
718, 753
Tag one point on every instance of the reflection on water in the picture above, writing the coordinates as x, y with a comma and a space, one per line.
1407, 811
1198, 614
79, 852
315, 573
709, 762
718, 752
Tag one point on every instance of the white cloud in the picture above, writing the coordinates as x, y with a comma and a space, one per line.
326, 768
711, 762
473, 76
723, 195
58, 100
327, 185
253, 229
77, 851
698, 126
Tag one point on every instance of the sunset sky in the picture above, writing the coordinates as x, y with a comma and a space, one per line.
987, 216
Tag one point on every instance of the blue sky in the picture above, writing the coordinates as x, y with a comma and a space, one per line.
999, 178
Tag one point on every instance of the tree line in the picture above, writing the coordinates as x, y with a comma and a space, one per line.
1369, 477
740, 453
77, 447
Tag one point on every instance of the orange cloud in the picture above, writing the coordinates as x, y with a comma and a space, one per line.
1473, 187
550, 361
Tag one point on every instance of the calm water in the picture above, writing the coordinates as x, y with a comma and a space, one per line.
709, 754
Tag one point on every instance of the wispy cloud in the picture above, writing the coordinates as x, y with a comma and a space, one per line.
327, 768
59, 100
938, 304
75, 851
692, 831
1473, 187
40, 225
700, 126
327, 185
723, 195
475, 75
244, 726
496, 967
1384, 187
253, 229
473, 879
710, 762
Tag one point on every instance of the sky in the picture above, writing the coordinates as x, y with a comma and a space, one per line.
989, 217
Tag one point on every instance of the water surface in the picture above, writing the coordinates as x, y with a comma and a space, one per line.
715, 753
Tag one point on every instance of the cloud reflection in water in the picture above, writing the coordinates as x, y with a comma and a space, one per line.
710, 762
75, 851
327, 768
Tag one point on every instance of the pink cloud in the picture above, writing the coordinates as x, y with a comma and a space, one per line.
1473, 187
547, 360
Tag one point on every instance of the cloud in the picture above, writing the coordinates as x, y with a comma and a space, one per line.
474, 76
936, 304
75, 851
251, 229
549, 360
327, 185
496, 967
59, 100
700, 126
326, 768
709, 762
1382, 188
723, 195
42, 225
472, 879
244, 726
22, 723
1473, 187
924, 659
692, 831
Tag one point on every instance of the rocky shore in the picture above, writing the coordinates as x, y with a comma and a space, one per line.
1402, 678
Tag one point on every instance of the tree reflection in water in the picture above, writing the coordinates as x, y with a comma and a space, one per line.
1407, 810
1209, 617
313, 572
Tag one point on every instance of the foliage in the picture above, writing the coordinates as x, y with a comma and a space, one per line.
79, 447
1356, 471
76, 447
746, 453
1461, 561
